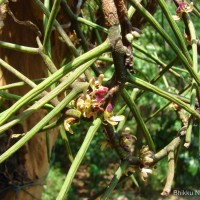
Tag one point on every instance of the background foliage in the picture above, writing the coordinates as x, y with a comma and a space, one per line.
98, 166
163, 127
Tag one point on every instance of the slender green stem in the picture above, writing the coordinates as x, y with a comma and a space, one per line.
17, 73
10, 96
115, 180
188, 133
190, 123
98, 194
98, 36
65, 84
54, 124
165, 106
157, 60
196, 12
59, 29
23, 78
194, 42
53, 78
48, 61
170, 175
198, 129
20, 48
131, 11
164, 94
175, 28
132, 106
132, 177
52, 17
66, 143
144, 58
19, 84
78, 159
41, 123
194, 86
47, 47
91, 24
121, 111
163, 33
180, 69
48, 146
164, 70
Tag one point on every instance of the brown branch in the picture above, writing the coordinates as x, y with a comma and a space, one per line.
110, 13
170, 147
123, 16
170, 176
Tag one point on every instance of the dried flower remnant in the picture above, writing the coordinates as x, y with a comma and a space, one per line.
127, 142
183, 7
146, 158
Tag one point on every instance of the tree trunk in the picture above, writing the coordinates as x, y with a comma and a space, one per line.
23, 175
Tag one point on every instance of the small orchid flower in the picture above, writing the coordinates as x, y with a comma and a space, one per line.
100, 93
115, 119
109, 108
110, 118
68, 122
183, 7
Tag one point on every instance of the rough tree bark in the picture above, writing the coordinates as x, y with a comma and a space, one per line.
23, 175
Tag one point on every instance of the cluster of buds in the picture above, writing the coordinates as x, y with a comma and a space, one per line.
92, 102
146, 159
183, 7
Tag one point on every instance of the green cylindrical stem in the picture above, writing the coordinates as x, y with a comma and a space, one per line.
78, 159
115, 180
41, 123
53, 78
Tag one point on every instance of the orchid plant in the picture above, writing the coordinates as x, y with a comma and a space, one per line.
101, 78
